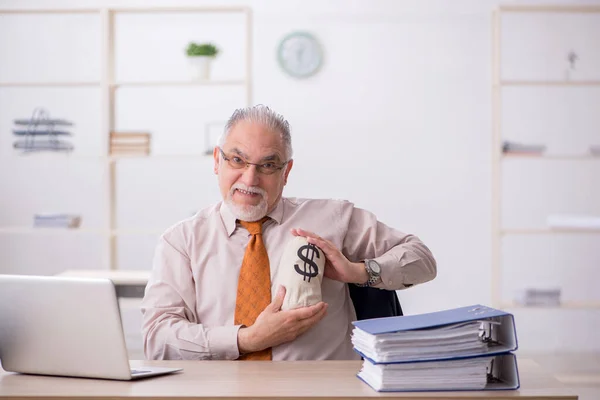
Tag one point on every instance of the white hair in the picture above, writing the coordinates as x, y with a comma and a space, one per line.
265, 116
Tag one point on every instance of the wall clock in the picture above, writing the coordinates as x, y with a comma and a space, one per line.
300, 55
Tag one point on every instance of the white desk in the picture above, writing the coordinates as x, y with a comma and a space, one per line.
291, 380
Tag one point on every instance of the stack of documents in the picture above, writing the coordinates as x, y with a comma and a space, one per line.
56, 221
573, 221
465, 348
522, 148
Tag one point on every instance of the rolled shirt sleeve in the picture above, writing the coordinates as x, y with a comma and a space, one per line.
405, 260
170, 327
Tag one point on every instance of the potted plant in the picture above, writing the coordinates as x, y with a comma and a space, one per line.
200, 56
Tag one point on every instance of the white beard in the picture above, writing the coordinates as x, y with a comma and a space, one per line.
247, 212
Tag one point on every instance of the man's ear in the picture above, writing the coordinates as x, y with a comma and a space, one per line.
287, 171
216, 156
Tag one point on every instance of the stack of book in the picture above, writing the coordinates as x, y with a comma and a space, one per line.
56, 221
522, 148
466, 348
129, 144
572, 221
539, 296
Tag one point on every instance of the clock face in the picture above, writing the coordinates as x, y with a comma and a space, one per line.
300, 54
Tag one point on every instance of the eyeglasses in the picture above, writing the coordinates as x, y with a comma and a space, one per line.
266, 168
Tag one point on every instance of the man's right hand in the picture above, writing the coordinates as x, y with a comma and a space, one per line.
273, 326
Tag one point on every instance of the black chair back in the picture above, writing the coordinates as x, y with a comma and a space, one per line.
374, 303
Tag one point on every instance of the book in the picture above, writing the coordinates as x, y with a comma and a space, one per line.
573, 221
466, 348
56, 221
522, 148
129, 143
456, 333
497, 372
539, 296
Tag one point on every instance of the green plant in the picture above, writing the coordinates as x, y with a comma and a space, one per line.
202, 49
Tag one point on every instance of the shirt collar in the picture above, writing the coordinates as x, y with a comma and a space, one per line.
230, 221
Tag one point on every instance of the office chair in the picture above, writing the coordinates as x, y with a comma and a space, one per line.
374, 303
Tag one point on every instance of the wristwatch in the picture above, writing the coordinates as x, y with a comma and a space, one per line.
374, 270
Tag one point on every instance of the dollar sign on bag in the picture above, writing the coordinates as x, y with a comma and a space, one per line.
311, 269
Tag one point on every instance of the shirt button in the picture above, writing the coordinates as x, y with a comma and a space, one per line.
390, 283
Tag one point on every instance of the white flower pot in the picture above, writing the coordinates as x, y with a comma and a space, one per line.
200, 67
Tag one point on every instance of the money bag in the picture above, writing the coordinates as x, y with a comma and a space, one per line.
301, 272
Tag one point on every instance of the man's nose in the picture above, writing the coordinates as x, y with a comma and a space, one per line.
250, 176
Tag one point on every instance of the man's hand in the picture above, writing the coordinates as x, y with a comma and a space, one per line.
273, 326
337, 267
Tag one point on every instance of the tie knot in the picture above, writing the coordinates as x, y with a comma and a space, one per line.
254, 227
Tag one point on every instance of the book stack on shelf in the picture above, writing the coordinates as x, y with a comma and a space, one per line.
509, 147
539, 297
567, 221
40, 125
468, 348
56, 221
129, 144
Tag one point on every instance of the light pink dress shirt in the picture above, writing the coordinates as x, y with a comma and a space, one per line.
189, 301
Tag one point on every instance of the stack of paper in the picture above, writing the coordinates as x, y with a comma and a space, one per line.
522, 148
466, 348
56, 221
447, 341
573, 221
129, 143
539, 296
467, 374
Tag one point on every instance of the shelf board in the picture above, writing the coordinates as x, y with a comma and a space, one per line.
130, 232
125, 10
158, 156
48, 84
234, 82
569, 305
549, 231
27, 230
47, 156
52, 156
550, 156
178, 9
550, 8
548, 83
52, 11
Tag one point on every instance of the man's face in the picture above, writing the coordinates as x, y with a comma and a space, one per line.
249, 193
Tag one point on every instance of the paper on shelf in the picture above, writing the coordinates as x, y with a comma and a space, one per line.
573, 221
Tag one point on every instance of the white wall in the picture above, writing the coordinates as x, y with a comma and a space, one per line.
398, 120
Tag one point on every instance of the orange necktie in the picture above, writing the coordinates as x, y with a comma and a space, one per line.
254, 284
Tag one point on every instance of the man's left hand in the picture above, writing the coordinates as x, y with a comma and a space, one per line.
337, 267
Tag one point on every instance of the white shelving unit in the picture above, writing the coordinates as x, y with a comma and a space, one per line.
109, 87
499, 233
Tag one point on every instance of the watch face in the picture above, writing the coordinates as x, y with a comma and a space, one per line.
375, 267
300, 55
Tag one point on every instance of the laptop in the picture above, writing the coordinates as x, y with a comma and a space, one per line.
64, 326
